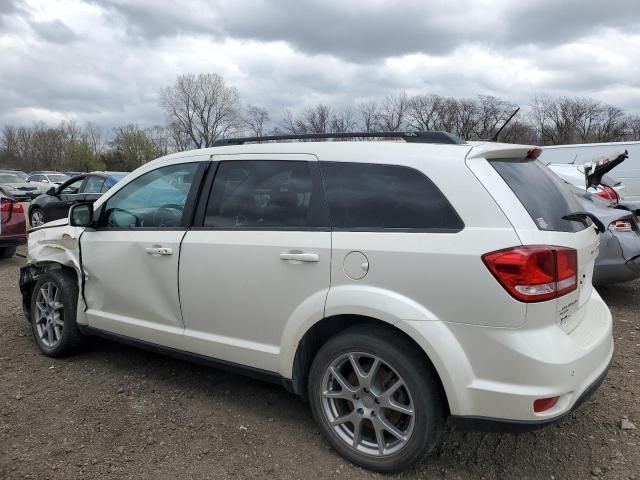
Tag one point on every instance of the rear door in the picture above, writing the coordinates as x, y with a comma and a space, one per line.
92, 187
259, 254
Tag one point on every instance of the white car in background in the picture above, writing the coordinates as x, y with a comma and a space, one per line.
628, 173
597, 182
49, 179
392, 284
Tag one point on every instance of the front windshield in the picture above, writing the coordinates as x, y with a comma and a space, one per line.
59, 178
10, 178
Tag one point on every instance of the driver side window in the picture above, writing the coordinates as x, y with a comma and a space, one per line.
154, 200
73, 187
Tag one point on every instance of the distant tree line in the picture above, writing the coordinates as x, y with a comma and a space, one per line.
200, 109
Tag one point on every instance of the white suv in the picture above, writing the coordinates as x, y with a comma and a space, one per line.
391, 284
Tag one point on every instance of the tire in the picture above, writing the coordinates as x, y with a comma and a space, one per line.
39, 217
7, 252
372, 407
56, 332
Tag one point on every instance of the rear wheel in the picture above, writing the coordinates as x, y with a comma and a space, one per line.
376, 399
7, 252
36, 218
53, 313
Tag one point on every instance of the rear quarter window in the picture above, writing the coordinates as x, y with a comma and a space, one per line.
365, 196
545, 197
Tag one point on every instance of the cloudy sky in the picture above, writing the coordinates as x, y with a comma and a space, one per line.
106, 60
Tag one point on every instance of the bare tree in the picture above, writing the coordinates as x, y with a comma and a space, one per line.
393, 112
256, 119
368, 113
202, 107
343, 121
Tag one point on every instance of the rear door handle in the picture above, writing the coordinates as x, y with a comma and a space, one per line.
300, 257
159, 251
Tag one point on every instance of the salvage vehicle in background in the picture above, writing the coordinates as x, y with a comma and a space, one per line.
55, 203
13, 227
619, 253
392, 284
49, 177
12, 184
628, 173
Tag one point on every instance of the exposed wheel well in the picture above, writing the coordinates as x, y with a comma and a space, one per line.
36, 271
322, 331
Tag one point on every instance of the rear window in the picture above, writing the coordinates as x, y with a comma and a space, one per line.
541, 193
365, 196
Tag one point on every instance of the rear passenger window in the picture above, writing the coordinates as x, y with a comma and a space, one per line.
365, 196
94, 184
262, 194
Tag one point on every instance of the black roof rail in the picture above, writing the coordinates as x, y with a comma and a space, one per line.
411, 137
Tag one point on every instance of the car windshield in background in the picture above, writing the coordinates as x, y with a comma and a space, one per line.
10, 178
58, 178
542, 193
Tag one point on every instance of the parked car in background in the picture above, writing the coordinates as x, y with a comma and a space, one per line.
619, 254
609, 188
52, 178
393, 285
628, 173
56, 201
13, 227
74, 174
12, 184
19, 173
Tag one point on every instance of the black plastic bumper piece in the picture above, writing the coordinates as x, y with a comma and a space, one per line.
488, 424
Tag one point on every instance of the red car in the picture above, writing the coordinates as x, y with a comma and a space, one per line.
13, 226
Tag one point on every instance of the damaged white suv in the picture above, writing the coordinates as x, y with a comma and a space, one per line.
393, 284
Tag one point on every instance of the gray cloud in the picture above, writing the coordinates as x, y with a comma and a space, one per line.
54, 31
106, 61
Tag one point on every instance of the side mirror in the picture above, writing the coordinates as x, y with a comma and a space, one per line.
51, 191
81, 215
44, 180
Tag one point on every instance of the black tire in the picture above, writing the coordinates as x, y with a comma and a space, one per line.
34, 210
7, 252
418, 375
70, 339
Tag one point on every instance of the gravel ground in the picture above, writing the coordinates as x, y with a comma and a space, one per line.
117, 412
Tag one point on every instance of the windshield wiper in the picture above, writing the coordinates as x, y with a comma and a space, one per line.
582, 218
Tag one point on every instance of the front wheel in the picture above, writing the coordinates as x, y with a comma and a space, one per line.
53, 313
376, 399
37, 217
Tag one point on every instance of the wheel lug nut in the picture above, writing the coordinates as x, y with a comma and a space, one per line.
360, 411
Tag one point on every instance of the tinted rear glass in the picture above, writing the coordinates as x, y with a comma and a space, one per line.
365, 196
542, 193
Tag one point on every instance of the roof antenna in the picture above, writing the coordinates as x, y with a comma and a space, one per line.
495, 137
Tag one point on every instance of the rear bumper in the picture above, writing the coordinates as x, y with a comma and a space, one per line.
13, 241
485, 424
494, 375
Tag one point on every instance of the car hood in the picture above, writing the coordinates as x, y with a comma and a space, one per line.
23, 184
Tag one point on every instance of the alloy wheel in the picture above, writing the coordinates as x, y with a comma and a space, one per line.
49, 314
368, 404
37, 218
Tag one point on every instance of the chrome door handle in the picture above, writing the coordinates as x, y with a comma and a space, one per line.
159, 251
300, 257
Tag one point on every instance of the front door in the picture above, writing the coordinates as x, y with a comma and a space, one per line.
260, 256
131, 260
67, 194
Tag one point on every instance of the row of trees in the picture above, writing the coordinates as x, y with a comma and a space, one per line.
200, 109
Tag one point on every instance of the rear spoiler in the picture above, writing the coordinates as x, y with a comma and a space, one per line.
595, 170
492, 151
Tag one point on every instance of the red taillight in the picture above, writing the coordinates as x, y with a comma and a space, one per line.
622, 225
608, 193
543, 404
534, 153
18, 208
535, 273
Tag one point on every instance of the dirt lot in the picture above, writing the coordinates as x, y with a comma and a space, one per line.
117, 412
